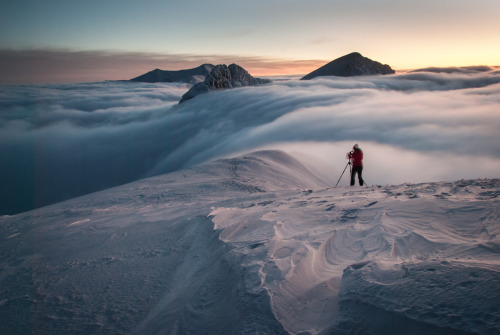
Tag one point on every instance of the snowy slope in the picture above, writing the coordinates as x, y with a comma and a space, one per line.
256, 244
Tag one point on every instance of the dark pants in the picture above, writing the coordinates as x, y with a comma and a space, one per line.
359, 171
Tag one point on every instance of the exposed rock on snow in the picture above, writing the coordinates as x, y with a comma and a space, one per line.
353, 64
194, 75
256, 244
223, 77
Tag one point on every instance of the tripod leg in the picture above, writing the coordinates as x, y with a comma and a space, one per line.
342, 174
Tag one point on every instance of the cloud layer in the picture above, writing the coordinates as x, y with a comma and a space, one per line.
40, 66
60, 141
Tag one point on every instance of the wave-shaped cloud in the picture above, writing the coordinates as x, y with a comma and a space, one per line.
60, 141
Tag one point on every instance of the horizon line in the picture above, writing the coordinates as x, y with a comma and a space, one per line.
31, 66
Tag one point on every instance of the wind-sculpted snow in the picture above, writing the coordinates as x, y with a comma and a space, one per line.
62, 141
435, 262
372, 293
256, 244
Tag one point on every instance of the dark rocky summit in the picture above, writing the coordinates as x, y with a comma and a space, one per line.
353, 64
195, 75
223, 77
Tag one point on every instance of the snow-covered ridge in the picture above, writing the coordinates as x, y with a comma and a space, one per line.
256, 244
193, 76
223, 77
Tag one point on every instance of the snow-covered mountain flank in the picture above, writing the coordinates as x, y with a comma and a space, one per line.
353, 64
223, 77
256, 244
195, 75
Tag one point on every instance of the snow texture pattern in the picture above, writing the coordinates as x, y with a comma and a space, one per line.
256, 244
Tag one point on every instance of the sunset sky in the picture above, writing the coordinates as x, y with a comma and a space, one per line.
70, 40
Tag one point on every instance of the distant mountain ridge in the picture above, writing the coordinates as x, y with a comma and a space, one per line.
194, 75
223, 77
455, 69
353, 64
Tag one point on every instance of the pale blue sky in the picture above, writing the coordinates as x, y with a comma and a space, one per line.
404, 34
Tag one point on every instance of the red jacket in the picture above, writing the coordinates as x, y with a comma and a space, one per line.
356, 157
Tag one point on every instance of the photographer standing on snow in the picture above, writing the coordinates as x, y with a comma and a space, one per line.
356, 159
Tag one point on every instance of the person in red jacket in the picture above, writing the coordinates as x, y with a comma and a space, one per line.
356, 159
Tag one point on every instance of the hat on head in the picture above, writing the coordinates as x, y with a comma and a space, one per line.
356, 146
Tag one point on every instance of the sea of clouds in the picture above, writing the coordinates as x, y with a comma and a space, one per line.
61, 141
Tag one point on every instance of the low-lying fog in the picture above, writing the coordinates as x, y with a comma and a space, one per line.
61, 141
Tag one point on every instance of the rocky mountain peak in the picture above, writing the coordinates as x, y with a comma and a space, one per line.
353, 64
223, 77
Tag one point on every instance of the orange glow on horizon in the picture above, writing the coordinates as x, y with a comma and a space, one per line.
282, 67
288, 68
59, 66
282, 71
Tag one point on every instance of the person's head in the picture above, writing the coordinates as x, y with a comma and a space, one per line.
356, 146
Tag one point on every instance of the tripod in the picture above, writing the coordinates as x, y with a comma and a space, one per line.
350, 169
348, 164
